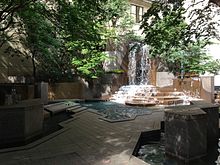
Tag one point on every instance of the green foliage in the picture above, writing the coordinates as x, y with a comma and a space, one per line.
40, 37
88, 62
66, 38
84, 36
119, 24
164, 28
89, 29
8, 9
8, 17
115, 10
191, 59
118, 71
174, 42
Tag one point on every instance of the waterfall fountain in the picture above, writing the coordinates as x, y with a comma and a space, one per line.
138, 66
138, 76
139, 92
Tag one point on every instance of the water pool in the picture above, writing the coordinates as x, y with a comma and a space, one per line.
112, 111
152, 151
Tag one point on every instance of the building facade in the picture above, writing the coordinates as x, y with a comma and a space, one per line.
137, 10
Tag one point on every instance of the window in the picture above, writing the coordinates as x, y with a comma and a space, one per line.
137, 13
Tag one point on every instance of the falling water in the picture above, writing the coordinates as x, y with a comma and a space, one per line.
132, 66
138, 75
138, 67
145, 66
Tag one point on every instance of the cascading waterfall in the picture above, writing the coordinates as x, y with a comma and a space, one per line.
138, 91
145, 65
138, 75
138, 66
132, 67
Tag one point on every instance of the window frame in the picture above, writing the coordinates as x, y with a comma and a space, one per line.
135, 12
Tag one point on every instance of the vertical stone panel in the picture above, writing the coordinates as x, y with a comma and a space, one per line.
212, 112
207, 88
186, 133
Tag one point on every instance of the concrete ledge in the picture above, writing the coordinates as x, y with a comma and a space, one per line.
186, 133
212, 112
20, 122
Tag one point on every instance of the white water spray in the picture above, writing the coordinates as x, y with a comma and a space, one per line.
138, 66
138, 75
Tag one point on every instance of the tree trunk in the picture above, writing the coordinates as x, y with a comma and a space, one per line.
153, 73
34, 68
34, 75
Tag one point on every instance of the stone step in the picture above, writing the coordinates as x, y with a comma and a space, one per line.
76, 109
170, 93
167, 98
171, 102
59, 107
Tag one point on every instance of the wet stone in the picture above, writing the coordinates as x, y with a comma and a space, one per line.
186, 133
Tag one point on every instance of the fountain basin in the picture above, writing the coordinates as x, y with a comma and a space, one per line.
115, 112
146, 95
142, 103
151, 149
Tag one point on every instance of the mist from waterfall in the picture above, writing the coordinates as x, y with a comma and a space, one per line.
138, 66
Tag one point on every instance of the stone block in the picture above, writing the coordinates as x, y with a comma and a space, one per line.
21, 122
43, 92
186, 133
164, 79
207, 88
212, 112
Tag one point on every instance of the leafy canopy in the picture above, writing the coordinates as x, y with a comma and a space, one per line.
173, 41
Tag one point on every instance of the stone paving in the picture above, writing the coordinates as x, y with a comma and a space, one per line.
85, 140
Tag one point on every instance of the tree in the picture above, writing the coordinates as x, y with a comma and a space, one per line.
191, 59
81, 28
87, 30
119, 24
166, 29
40, 38
8, 16
68, 37
217, 2
8, 9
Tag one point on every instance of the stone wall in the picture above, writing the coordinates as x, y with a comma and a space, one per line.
187, 84
68, 90
207, 88
15, 92
101, 88
186, 133
199, 87
14, 66
164, 79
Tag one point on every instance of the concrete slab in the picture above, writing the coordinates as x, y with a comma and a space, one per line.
76, 109
59, 107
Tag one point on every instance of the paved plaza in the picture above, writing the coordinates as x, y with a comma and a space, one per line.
85, 139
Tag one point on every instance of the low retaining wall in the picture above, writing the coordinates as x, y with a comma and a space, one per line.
73, 90
101, 88
20, 122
